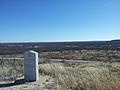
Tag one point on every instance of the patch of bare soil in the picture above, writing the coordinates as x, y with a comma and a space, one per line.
44, 83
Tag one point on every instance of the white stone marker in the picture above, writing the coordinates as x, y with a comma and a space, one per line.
31, 72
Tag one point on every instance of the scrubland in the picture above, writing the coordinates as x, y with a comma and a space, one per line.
85, 76
91, 55
101, 74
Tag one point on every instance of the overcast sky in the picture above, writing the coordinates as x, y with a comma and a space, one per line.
59, 20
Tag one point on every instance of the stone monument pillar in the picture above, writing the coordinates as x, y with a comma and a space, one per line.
31, 70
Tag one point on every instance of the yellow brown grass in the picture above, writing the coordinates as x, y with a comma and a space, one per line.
86, 77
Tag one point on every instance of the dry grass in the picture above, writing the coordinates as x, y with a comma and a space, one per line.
10, 69
70, 76
84, 76
94, 55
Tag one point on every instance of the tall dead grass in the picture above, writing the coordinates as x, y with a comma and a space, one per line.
11, 69
89, 77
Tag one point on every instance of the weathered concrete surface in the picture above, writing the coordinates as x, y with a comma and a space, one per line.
31, 72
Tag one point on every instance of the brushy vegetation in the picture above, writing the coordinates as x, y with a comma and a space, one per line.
11, 69
69, 75
91, 55
84, 76
103, 73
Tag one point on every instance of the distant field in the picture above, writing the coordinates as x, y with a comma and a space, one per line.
87, 55
20, 48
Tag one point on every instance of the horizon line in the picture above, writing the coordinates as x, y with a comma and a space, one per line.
58, 41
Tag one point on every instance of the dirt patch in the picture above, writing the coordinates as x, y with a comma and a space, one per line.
44, 83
